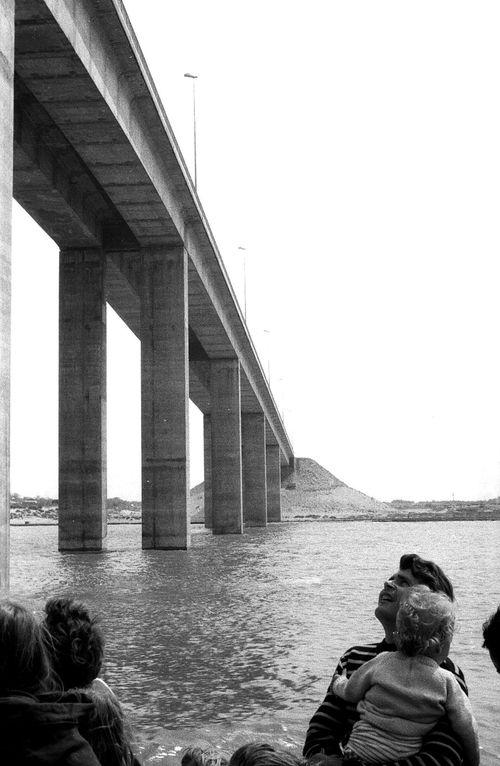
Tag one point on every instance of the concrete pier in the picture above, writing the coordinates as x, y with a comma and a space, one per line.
227, 489
6, 165
165, 398
88, 152
273, 467
253, 431
82, 400
207, 464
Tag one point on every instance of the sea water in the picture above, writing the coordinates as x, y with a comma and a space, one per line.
237, 638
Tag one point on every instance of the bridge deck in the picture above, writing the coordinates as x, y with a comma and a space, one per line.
96, 164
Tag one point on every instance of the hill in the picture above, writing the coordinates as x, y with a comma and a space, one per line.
312, 492
197, 503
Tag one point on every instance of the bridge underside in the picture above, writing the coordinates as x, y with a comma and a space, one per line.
94, 162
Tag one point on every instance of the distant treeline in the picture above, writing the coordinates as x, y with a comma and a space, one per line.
443, 504
38, 502
117, 504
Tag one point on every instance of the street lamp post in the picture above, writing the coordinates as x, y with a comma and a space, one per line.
194, 77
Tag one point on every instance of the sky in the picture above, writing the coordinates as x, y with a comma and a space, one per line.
352, 148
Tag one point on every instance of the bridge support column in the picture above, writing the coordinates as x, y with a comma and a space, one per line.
253, 431
6, 160
165, 398
207, 460
273, 466
227, 490
82, 400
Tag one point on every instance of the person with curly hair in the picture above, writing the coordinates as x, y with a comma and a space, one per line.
262, 754
75, 644
198, 756
38, 725
401, 695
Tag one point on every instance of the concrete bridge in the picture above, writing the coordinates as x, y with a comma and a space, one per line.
87, 150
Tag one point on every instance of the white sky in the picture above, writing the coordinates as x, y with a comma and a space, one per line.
353, 149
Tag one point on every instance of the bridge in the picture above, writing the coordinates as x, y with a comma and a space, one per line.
88, 152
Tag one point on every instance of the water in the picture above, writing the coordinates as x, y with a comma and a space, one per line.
236, 639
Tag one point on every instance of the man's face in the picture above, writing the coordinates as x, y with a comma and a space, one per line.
391, 594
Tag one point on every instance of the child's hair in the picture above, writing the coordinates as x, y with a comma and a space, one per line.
24, 665
196, 756
75, 642
108, 732
424, 621
262, 754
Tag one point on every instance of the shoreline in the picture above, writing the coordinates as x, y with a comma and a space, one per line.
414, 519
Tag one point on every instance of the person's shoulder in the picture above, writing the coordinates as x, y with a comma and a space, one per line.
367, 650
99, 688
372, 648
453, 668
448, 664
361, 653
98, 684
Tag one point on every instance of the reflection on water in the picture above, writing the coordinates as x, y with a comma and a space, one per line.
245, 630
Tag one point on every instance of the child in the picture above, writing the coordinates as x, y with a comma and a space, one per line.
75, 642
196, 756
262, 754
37, 726
401, 695
75, 646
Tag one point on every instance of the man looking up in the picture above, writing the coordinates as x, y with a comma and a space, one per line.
331, 725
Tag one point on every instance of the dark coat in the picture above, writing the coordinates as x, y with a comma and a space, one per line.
44, 730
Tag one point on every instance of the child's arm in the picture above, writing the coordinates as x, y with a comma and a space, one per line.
353, 689
462, 721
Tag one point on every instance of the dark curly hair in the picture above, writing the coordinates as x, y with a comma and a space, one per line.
262, 754
197, 756
74, 641
428, 573
491, 634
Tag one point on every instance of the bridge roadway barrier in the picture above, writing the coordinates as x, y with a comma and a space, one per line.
88, 151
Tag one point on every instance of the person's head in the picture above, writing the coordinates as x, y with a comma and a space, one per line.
196, 756
425, 623
413, 570
491, 636
261, 754
24, 665
75, 642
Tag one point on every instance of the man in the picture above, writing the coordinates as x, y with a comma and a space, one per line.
491, 636
331, 725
